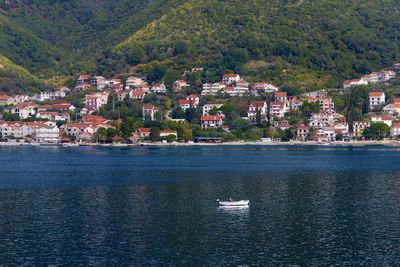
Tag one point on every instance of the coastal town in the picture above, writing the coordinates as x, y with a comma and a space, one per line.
97, 110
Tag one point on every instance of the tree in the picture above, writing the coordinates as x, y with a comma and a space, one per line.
155, 134
309, 107
377, 131
170, 138
101, 135
135, 55
111, 132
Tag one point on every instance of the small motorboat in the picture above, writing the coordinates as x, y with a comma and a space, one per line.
233, 203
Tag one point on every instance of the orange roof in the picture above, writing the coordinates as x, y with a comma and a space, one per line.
149, 107
231, 75
281, 94
211, 118
257, 103
280, 104
396, 125
138, 93
396, 100
375, 94
144, 130
184, 102
4, 97
94, 119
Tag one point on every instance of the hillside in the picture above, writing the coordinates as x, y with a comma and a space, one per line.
301, 41
13, 77
307, 44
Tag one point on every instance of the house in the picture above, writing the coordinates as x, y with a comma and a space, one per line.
385, 119
255, 108
341, 128
93, 102
212, 88
229, 79
326, 103
278, 109
208, 107
179, 85
62, 106
53, 116
281, 97
392, 109
211, 122
396, 100
123, 94
47, 134
326, 134
282, 125
185, 104
143, 87
24, 110
132, 82
94, 119
144, 132
294, 103
138, 95
149, 112
83, 78
6, 100
166, 133
21, 98
359, 127
355, 82
376, 99
82, 87
98, 82
302, 132
159, 88
395, 130
77, 129
194, 98
316, 94
264, 87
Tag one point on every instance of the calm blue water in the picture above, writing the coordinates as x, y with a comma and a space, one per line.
310, 206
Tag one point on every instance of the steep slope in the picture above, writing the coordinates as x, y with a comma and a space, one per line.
14, 78
301, 40
24, 48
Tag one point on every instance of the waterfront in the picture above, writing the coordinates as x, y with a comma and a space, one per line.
156, 206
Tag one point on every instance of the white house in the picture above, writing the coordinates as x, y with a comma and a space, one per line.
179, 85
278, 109
159, 88
149, 112
208, 107
264, 87
211, 122
395, 130
257, 106
376, 99
385, 119
229, 79
47, 134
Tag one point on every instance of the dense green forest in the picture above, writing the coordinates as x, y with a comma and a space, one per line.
306, 44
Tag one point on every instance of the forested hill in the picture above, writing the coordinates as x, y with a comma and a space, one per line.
309, 43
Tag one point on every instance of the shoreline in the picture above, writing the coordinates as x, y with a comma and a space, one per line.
390, 143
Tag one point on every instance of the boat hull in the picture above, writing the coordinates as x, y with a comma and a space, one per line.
240, 203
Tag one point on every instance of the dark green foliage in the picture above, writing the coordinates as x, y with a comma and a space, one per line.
377, 131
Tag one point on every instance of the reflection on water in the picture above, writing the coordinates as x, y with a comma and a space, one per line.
127, 207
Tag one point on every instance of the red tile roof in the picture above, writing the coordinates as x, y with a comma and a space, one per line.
375, 94
211, 118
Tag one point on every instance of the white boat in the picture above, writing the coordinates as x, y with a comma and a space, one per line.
232, 203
